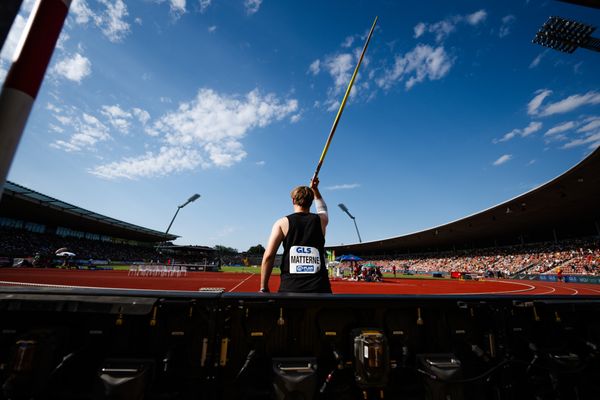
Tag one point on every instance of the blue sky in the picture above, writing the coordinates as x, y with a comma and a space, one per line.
454, 110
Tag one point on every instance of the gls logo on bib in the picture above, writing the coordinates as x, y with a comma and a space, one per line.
304, 260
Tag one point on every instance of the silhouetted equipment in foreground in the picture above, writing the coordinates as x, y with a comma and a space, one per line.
76, 344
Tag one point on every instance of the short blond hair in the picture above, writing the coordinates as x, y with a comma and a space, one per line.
302, 196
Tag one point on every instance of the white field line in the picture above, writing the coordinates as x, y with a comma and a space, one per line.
552, 289
239, 284
528, 287
79, 287
593, 290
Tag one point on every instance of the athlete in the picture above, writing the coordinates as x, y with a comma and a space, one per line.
303, 267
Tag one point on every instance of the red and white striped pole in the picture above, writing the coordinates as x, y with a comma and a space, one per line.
25, 76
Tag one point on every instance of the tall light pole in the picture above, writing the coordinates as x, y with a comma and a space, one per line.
191, 199
345, 209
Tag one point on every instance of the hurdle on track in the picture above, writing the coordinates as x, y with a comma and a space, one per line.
156, 270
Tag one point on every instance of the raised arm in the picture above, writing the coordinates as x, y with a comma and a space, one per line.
320, 204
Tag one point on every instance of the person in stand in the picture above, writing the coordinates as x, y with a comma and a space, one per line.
302, 233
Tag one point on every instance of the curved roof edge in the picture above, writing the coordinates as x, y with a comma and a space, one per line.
581, 183
28, 198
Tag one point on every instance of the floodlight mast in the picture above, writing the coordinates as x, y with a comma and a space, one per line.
190, 200
565, 35
345, 209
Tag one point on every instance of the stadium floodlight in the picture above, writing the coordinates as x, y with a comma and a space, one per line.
190, 200
345, 209
565, 35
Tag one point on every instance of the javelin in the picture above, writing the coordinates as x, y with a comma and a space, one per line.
341, 110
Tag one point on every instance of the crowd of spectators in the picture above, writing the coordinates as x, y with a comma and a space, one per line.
23, 244
571, 257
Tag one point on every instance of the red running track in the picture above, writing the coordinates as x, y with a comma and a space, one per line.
243, 282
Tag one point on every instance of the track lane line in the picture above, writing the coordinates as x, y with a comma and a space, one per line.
51, 285
552, 289
528, 288
241, 283
593, 290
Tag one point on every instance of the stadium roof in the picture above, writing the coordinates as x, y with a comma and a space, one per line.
565, 207
189, 248
25, 204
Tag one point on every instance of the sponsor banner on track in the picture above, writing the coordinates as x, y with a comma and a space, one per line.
566, 278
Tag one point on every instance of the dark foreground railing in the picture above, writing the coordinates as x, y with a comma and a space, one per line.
79, 344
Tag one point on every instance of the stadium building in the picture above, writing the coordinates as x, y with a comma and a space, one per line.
567, 207
33, 223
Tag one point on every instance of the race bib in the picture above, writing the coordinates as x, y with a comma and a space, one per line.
304, 260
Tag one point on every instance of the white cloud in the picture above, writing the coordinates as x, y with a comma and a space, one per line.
203, 132
64, 120
204, 4
442, 29
315, 67
12, 40
571, 103
117, 117
211, 117
212, 28
502, 159
507, 22
421, 63
121, 119
592, 124
252, 6
56, 128
112, 21
344, 186
533, 127
88, 131
177, 7
74, 68
419, 29
27, 5
295, 118
260, 163
348, 42
225, 153
477, 17
536, 61
592, 140
565, 126
142, 115
339, 68
536, 102
167, 161
62, 40
81, 12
